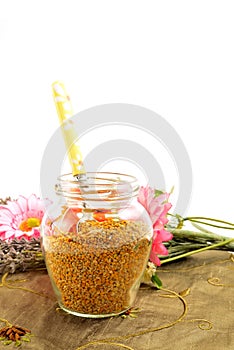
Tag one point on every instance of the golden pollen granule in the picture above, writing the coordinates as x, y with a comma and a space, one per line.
97, 270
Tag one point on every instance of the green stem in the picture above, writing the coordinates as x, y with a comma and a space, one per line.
198, 236
198, 218
213, 246
209, 224
202, 229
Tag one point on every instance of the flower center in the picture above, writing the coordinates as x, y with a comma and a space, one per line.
29, 223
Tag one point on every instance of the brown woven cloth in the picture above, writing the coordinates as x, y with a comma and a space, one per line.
209, 276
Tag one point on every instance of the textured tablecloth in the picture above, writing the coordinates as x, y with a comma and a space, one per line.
206, 280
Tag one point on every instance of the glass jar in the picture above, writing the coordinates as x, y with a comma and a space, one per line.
96, 242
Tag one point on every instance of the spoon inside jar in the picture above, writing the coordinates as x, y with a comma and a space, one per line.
65, 112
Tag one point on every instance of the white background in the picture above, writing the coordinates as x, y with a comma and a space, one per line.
173, 57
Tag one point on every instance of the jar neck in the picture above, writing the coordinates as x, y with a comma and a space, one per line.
101, 189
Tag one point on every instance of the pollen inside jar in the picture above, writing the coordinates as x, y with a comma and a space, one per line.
96, 261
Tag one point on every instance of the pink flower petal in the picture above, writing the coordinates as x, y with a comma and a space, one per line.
142, 196
23, 204
29, 233
8, 234
5, 213
4, 221
167, 207
18, 233
41, 205
14, 207
163, 198
14, 212
32, 202
157, 208
158, 225
4, 228
154, 259
155, 211
165, 235
161, 249
36, 233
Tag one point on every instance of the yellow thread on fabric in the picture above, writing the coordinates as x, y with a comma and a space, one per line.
6, 284
110, 340
222, 261
183, 293
203, 324
215, 281
109, 344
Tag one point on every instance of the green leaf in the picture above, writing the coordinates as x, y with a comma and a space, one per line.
156, 281
157, 193
172, 189
7, 342
185, 292
17, 343
25, 339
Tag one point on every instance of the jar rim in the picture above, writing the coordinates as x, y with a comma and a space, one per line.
98, 186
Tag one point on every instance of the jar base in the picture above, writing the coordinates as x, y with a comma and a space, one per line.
76, 313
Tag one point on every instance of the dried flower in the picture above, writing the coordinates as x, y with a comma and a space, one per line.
14, 334
157, 205
149, 272
21, 218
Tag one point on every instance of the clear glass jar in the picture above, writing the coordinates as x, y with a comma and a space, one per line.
96, 242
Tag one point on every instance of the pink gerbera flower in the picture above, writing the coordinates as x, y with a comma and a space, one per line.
21, 218
157, 206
